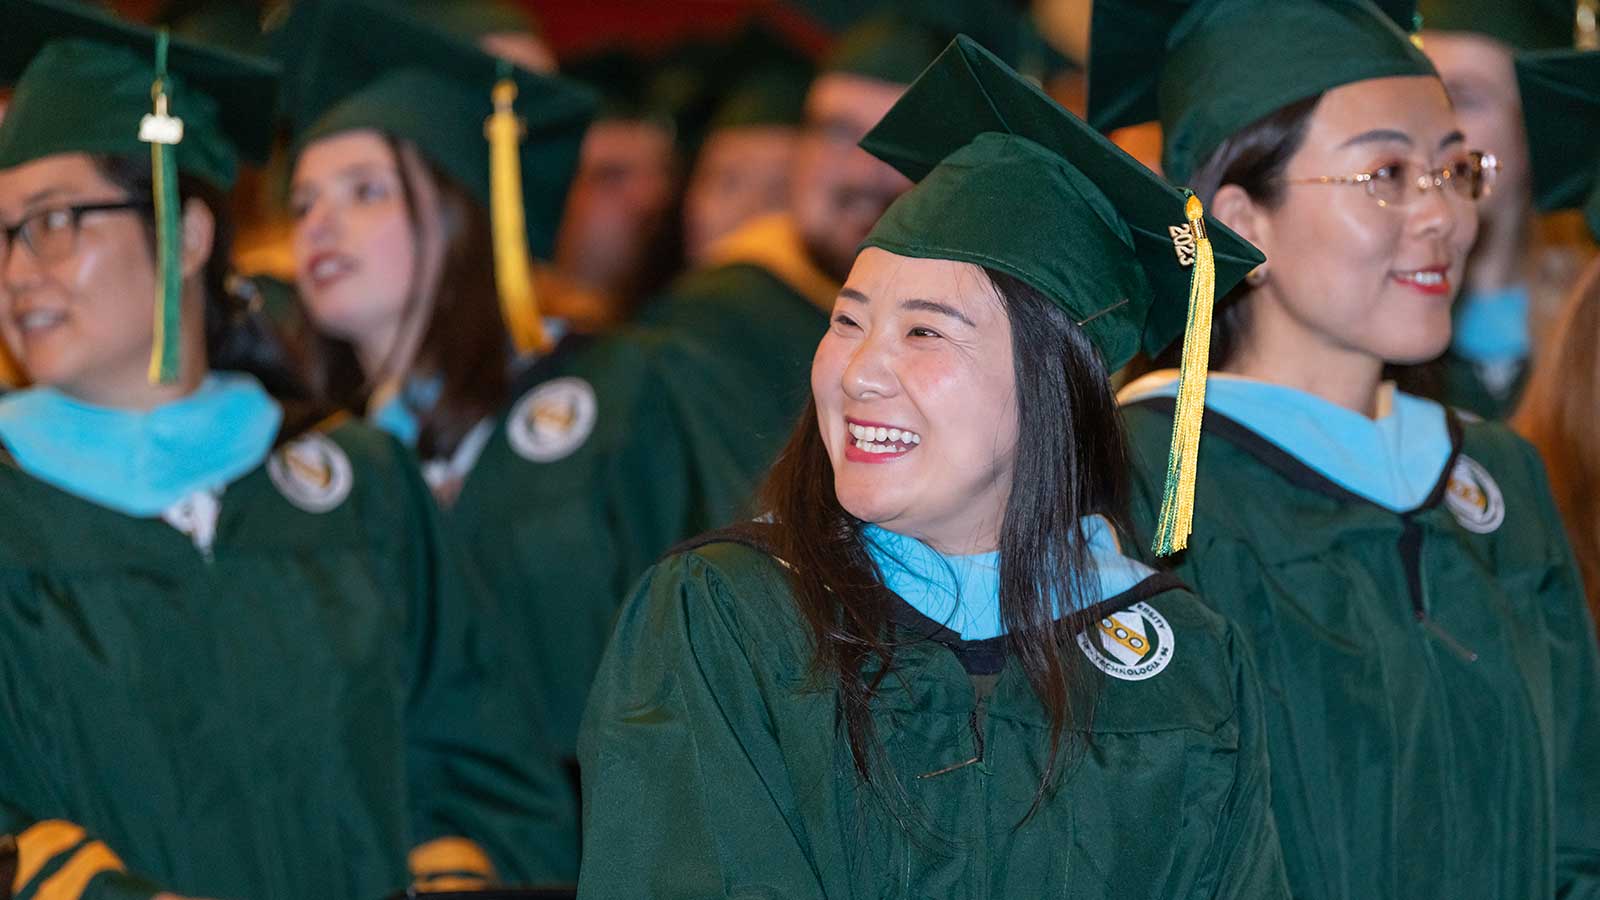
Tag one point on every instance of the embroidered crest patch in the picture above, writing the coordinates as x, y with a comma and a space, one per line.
312, 472
552, 420
1132, 644
1473, 497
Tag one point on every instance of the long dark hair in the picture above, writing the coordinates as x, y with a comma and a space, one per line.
1071, 461
1254, 159
464, 339
238, 336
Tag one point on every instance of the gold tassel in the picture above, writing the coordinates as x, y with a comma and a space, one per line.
513, 270
163, 132
1177, 501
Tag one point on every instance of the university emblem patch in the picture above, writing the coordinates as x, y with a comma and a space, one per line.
552, 420
312, 472
1132, 644
1473, 497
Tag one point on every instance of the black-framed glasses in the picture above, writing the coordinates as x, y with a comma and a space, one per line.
1399, 183
51, 234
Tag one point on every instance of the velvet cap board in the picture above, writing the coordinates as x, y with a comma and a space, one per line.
1207, 69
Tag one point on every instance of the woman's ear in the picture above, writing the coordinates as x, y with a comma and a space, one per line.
1234, 207
199, 236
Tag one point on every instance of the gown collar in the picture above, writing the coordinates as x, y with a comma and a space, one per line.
1394, 460
142, 463
962, 593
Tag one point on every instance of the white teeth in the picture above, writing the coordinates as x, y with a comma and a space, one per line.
1425, 278
40, 318
875, 439
327, 268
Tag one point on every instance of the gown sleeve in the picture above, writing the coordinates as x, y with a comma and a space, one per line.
686, 792
1575, 696
489, 802
43, 856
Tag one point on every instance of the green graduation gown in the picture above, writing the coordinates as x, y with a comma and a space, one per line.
587, 476
743, 332
1433, 698
714, 766
284, 714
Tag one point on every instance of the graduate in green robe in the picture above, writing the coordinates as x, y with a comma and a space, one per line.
745, 321
931, 671
1511, 279
559, 461
1433, 698
236, 657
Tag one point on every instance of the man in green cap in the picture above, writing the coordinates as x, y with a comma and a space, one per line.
749, 317
1514, 279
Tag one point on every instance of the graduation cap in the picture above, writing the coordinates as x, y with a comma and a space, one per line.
1207, 69
769, 76
510, 137
1561, 110
87, 82
889, 47
1006, 178
1521, 25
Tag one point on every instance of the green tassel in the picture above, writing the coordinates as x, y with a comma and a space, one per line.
163, 132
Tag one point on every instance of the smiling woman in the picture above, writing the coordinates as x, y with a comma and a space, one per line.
932, 671
1401, 571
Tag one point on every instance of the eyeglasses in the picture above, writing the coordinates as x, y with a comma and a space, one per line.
51, 235
1397, 184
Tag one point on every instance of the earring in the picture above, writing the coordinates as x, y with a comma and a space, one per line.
1257, 276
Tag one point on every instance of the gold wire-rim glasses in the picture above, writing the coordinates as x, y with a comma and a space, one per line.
1481, 170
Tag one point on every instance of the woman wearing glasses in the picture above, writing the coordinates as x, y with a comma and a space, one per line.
234, 658
1402, 574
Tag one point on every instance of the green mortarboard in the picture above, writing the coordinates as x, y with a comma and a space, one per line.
1519, 24
371, 66
889, 47
768, 78
1207, 69
231, 24
774, 96
83, 80
89, 83
1008, 179
1561, 109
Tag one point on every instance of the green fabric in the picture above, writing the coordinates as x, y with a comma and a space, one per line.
740, 343
369, 65
83, 82
282, 717
888, 48
1400, 767
1007, 178
772, 96
1460, 386
1523, 25
229, 24
715, 766
1561, 110
1207, 69
561, 540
